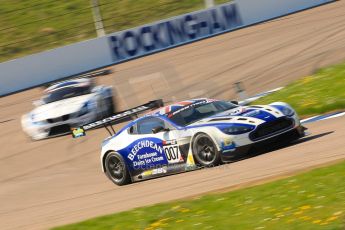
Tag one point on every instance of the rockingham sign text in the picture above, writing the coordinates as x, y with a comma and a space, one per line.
173, 32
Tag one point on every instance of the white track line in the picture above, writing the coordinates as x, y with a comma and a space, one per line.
334, 116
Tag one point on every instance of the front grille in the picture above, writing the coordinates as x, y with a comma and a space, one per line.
58, 119
270, 128
61, 129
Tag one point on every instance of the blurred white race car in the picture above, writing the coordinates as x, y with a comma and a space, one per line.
66, 105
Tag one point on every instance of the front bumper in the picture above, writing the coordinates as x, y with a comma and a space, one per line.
42, 131
264, 145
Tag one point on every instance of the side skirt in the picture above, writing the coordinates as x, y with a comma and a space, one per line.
163, 171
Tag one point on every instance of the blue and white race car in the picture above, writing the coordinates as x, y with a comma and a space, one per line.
190, 134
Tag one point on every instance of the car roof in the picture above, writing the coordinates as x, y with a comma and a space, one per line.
169, 109
164, 111
69, 83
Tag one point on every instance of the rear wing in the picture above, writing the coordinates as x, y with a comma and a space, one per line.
85, 75
117, 118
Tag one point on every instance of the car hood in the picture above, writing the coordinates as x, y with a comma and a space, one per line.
60, 108
252, 115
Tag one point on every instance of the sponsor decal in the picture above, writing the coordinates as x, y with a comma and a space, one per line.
159, 171
188, 107
190, 164
147, 144
228, 145
173, 154
227, 141
170, 142
78, 132
175, 31
145, 153
156, 171
229, 148
172, 151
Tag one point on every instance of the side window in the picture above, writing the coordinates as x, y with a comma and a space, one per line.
145, 126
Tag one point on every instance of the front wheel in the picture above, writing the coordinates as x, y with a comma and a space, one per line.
205, 151
116, 169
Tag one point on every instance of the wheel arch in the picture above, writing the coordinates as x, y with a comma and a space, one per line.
208, 134
105, 156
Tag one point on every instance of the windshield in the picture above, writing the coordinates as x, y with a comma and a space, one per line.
200, 111
65, 93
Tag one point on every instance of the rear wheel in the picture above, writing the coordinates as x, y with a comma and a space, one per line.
116, 169
110, 106
205, 151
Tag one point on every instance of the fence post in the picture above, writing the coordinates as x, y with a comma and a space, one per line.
240, 90
97, 18
209, 3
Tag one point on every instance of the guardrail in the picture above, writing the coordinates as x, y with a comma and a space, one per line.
71, 60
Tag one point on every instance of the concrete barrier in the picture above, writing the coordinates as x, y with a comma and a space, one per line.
41, 68
175, 31
254, 11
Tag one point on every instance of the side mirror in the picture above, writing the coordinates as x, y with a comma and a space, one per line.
234, 102
96, 89
37, 103
159, 129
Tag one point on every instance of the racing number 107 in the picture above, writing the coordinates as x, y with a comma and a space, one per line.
171, 152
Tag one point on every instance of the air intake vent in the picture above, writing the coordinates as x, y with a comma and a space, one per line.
271, 128
221, 119
242, 119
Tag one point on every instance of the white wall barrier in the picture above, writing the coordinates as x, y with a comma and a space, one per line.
179, 30
54, 64
37, 69
253, 11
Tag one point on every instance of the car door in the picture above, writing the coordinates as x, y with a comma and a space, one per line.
174, 141
151, 153
146, 149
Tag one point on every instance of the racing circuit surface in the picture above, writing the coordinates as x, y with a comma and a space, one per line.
59, 180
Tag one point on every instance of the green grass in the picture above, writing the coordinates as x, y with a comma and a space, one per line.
317, 94
31, 26
312, 200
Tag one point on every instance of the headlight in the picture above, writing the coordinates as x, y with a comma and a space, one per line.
38, 122
237, 129
287, 111
34, 122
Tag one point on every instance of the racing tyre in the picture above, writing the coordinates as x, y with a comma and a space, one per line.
110, 106
116, 169
205, 151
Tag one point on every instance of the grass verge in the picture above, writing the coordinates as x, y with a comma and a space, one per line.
316, 94
312, 200
29, 26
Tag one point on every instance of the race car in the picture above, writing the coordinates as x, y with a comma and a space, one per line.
190, 134
67, 104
